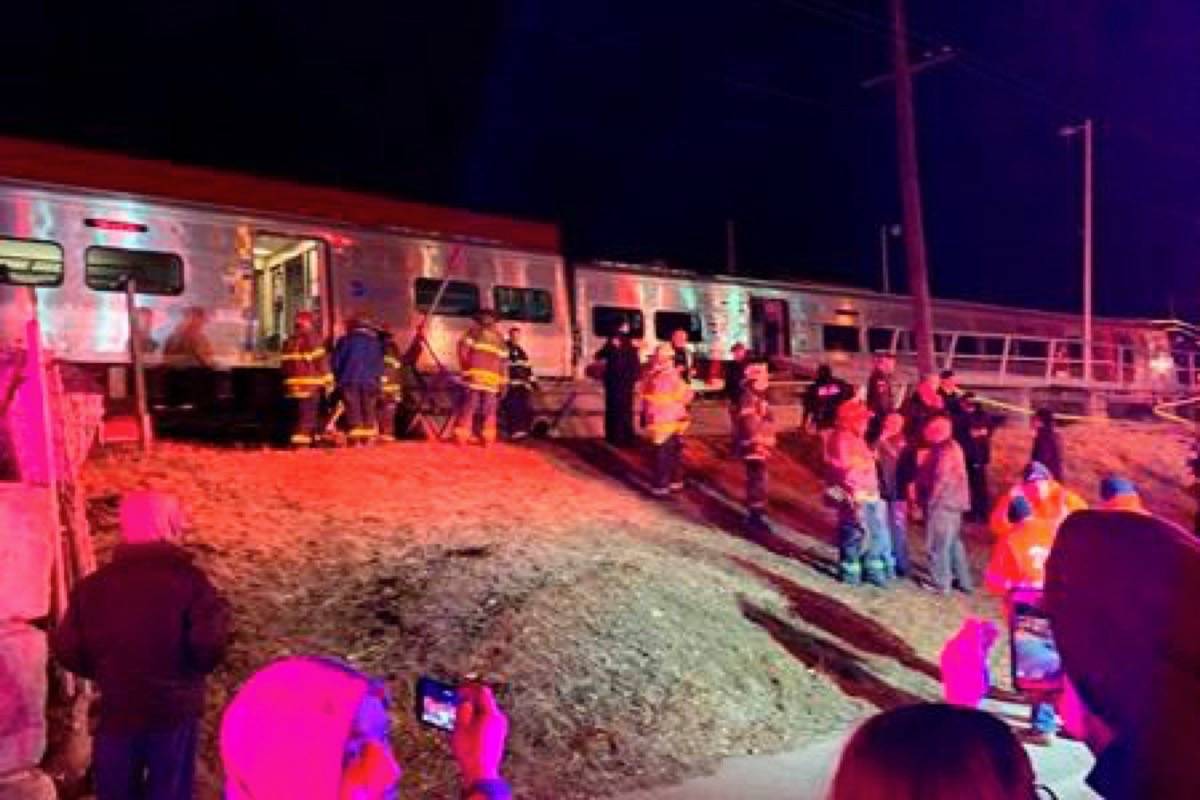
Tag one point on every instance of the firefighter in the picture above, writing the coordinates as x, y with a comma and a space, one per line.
681, 356
755, 438
358, 368
305, 375
517, 404
735, 373
665, 398
391, 387
482, 352
864, 542
1050, 499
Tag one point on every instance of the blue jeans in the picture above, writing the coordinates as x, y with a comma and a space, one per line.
153, 765
865, 545
947, 555
898, 527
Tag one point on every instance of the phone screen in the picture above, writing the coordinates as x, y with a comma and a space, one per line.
437, 704
1036, 663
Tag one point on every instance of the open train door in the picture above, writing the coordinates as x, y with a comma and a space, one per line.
770, 327
289, 277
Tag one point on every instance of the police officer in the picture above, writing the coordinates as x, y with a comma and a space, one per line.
482, 353
358, 368
305, 375
822, 399
517, 404
621, 367
881, 394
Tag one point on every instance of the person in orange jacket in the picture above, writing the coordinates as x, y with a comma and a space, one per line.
1049, 499
1117, 493
1019, 558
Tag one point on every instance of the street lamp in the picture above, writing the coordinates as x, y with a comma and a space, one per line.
1086, 130
886, 231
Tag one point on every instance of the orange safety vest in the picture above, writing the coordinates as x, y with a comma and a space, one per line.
305, 365
665, 399
482, 352
1019, 559
1057, 504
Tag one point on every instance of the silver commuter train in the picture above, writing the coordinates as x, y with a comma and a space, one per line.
252, 252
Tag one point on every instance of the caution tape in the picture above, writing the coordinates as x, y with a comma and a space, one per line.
1029, 412
1161, 411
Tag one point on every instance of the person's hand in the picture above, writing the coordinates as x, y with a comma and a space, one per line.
479, 734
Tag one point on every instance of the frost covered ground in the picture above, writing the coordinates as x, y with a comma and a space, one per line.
633, 642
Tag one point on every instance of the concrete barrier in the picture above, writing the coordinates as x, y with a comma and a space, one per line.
23, 654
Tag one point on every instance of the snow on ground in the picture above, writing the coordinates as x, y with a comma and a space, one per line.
633, 642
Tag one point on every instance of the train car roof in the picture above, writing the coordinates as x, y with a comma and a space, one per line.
64, 166
851, 291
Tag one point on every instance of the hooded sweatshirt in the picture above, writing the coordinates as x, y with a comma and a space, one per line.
284, 734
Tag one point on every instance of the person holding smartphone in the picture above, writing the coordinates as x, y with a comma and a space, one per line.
316, 728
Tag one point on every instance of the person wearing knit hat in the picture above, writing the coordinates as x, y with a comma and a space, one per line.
147, 628
864, 541
1121, 593
1118, 493
1050, 500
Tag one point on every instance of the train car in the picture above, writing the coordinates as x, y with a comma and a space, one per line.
222, 263
799, 325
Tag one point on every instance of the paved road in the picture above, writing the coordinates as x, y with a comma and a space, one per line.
806, 774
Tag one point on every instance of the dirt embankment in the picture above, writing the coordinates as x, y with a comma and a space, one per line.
633, 642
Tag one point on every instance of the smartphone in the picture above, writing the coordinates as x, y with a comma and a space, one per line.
1036, 663
437, 703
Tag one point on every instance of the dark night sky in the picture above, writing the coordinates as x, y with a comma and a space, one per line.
641, 125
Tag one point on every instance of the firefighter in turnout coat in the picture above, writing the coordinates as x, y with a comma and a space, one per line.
517, 405
358, 367
305, 375
391, 387
665, 399
755, 438
482, 353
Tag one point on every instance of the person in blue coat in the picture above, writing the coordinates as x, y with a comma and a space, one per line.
358, 369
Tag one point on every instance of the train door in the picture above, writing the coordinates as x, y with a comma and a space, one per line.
770, 326
289, 277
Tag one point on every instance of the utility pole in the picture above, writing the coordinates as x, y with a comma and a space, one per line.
1088, 191
730, 248
910, 194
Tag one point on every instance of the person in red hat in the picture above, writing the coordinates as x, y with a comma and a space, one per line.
1122, 589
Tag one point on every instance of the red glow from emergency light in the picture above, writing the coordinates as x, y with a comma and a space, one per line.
116, 225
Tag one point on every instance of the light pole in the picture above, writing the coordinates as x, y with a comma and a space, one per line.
886, 231
1086, 130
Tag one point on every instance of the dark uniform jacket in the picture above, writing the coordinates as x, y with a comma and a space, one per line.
735, 371
684, 363
823, 397
147, 628
977, 441
1047, 450
305, 365
622, 367
520, 370
358, 359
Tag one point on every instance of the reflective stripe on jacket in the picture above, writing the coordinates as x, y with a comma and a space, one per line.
665, 399
305, 365
520, 370
390, 382
755, 428
482, 352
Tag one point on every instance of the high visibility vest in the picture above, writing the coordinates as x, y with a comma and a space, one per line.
482, 353
390, 382
305, 365
665, 399
1019, 559
1054, 507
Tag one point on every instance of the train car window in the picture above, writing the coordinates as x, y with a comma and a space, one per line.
461, 299
841, 338
667, 322
107, 269
523, 305
606, 320
880, 339
26, 262
941, 342
1031, 348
